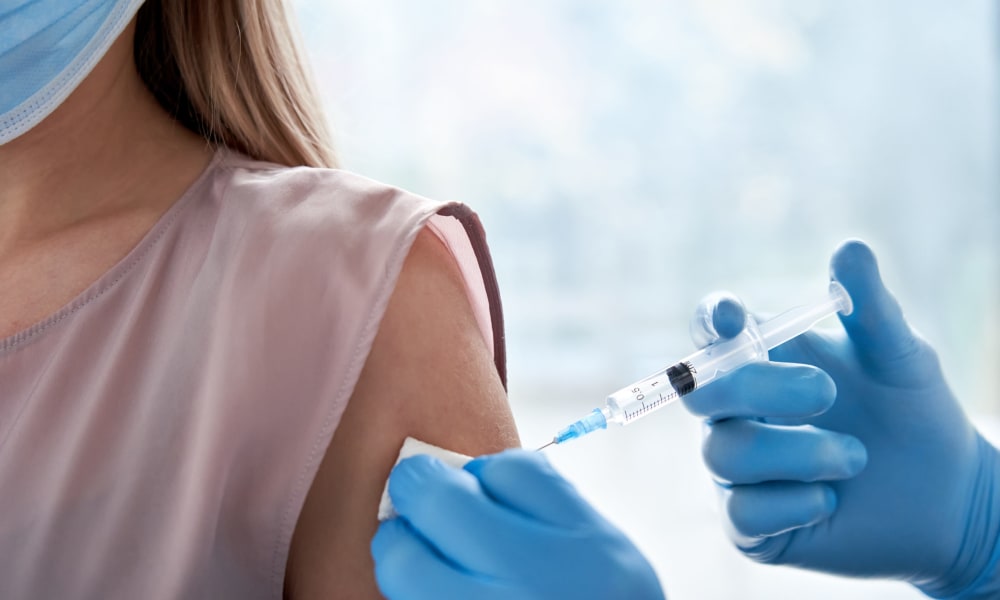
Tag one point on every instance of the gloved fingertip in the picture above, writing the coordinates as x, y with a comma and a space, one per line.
410, 470
842, 456
387, 531
855, 267
418, 463
511, 458
877, 325
774, 508
526, 482
856, 456
411, 476
828, 503
476, 466
854, 255
480, 464
821, 507
729, 316
719, 314
826, 390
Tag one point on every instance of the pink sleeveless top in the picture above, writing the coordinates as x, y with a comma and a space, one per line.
158, 435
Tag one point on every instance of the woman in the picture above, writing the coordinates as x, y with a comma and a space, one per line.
210, 356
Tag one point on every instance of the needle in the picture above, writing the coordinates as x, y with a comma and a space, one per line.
545, 446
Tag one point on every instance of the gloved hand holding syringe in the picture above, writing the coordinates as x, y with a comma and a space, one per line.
662, 388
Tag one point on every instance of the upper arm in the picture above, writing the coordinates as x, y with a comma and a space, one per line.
429, 375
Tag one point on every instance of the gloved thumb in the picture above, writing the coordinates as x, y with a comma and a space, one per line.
880, 334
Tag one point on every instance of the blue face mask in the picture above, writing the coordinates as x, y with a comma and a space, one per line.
47, 47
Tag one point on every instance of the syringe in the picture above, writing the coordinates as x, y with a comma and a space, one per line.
662, 388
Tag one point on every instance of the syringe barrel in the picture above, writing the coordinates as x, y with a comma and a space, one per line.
708, 364
714, 361
800, 319
664, 387
755, 340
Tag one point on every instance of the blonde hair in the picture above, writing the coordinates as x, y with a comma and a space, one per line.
231, 71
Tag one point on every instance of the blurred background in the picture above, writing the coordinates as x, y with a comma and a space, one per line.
629, 157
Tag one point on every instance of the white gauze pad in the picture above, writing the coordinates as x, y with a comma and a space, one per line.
410, 447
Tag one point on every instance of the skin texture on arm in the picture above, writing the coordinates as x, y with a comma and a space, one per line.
429, 375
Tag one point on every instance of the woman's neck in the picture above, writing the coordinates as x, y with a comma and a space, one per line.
108, 148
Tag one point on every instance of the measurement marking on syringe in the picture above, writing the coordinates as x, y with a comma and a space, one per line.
663, 399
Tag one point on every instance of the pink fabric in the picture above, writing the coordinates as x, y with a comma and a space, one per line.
158, 435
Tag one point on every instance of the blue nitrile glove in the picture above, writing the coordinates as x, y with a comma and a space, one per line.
863, 464
506, 526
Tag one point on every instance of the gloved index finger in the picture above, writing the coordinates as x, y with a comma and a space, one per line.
765, 389
524, 481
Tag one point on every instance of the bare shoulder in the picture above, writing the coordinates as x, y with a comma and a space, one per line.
429, 375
